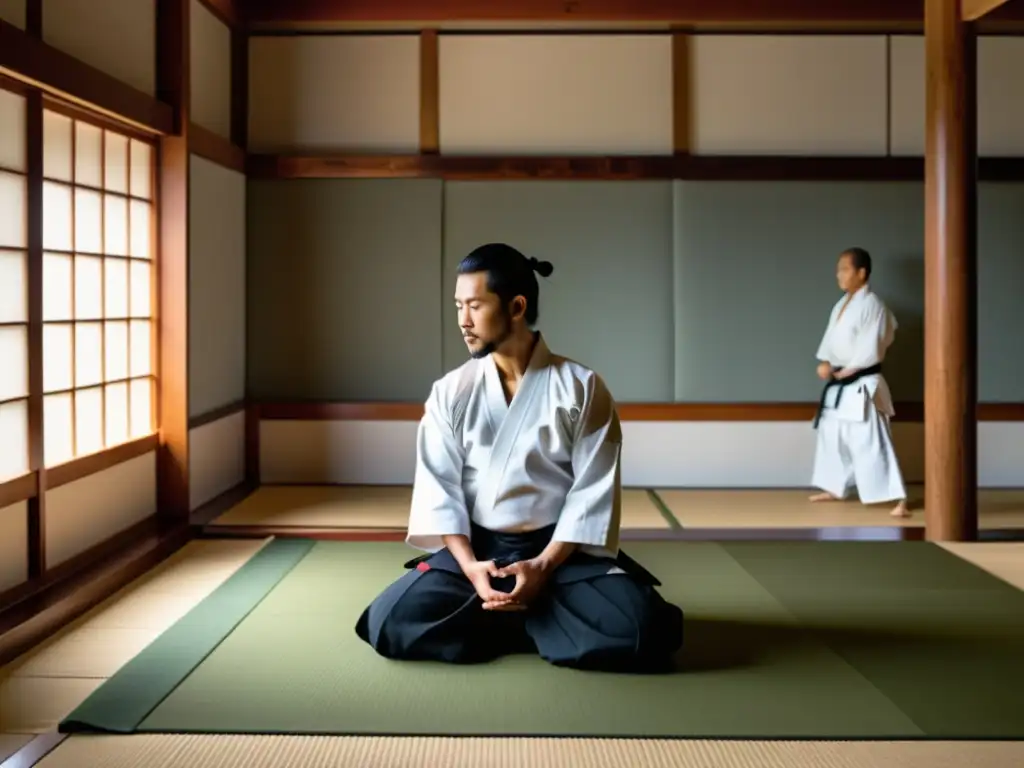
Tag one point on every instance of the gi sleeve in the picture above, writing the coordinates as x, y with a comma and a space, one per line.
877, 330
438, 503
824, 353
593, 507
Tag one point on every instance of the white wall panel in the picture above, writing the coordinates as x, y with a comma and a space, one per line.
13, 12
115, 36
84, 513
1000, 96
334, 93
13, 545
210, 54
216, 458
789, 94
729, 454
217, 284
554, 94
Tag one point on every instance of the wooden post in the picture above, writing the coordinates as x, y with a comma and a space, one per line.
173, 87
951, 392
681, 92
430, 132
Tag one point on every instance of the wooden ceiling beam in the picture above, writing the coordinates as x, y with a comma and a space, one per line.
710, 15
672, 11
669, 11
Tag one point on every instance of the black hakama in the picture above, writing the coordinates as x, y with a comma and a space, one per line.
585, 617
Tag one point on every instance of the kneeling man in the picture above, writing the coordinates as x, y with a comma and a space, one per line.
517, 503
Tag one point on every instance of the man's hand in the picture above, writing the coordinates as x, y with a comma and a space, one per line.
479, 573
530, 575
824, 371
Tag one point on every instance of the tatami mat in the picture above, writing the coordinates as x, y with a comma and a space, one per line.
1004, 560
735, 508
41, 687
295, 752
36, 703
335, 506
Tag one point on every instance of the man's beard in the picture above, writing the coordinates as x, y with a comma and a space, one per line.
491, 346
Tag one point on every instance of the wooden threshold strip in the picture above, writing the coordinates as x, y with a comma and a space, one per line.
33, 753
325, 411
28, 59
38, 609
622, 168
215, 148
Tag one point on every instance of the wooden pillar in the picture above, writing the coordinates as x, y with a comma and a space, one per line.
950, 408
173, 87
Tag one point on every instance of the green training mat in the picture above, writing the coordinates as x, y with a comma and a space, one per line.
120, 703
825, 640
940, 637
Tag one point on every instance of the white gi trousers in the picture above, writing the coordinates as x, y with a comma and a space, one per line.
857, 453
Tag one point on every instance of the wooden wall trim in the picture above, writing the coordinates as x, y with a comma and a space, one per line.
27, 58
25, 487
628, 167
215, 148
327, 411
221, 503
216, 414
83, 466
76, 564
837, 13
21, 488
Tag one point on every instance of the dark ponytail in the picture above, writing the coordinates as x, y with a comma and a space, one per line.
542, 268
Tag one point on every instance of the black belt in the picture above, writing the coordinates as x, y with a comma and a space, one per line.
842, 384
505, 547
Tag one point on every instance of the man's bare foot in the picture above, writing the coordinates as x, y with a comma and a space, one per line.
824, 497
900, 510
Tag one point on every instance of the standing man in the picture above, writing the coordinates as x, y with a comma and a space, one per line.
854, 437
517, 501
